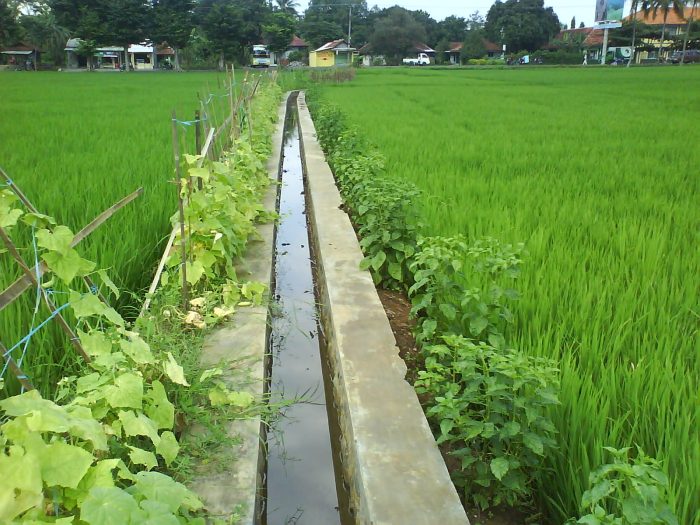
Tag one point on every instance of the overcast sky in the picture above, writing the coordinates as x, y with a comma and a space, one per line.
583, 10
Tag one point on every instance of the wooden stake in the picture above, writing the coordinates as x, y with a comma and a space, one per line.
183, 248
12, 365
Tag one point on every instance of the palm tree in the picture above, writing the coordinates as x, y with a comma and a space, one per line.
634, 7
665, 6
687, 29
287, 6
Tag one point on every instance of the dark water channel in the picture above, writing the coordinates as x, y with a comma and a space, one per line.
301, 483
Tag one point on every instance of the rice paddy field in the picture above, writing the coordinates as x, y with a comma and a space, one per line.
597, 171
76, 143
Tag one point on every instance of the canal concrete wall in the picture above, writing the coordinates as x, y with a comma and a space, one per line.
391, 462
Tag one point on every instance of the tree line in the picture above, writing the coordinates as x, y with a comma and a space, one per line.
225, 29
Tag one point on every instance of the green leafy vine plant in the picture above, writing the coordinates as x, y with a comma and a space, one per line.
93, 452
91, 456
462, 288
381, 207
490, 409
628, 491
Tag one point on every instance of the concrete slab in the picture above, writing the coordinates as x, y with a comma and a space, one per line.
232, 482
391, 462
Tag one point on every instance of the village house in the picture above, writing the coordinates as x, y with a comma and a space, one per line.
334, 53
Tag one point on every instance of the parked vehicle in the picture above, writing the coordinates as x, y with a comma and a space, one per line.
421, 60
260, 56
691, 55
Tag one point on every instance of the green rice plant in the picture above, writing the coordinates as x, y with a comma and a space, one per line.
572, 163
77, 143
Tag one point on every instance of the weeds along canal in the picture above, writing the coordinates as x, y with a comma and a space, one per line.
301, 479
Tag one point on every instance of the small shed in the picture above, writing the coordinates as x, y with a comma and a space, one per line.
22, 56
333, 53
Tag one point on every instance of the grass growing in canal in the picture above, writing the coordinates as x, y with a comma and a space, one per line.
592, 169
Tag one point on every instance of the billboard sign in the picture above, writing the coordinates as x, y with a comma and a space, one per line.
609, 10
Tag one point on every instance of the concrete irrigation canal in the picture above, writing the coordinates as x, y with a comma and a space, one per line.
357, 448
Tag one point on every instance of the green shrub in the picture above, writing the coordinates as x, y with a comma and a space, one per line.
490, 410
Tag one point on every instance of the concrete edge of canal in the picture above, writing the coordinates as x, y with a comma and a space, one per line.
390, 459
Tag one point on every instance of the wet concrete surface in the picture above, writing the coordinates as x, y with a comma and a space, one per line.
301, 486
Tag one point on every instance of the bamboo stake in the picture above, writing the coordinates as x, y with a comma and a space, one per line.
75, 341
12, 365
183, 248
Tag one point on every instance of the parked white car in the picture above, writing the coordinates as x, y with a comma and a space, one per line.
421, 60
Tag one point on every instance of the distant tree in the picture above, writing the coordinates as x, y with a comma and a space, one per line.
232, 25
279, 31
475, 21
666, 6
443, 46
10, 29
430, 25
43, 31
127, 22
573, 22
521, 24
473, 46
396, 35
581, 25
687, 29
173, 21
326, 20
84, 19
453, 29
287, 6
635, 6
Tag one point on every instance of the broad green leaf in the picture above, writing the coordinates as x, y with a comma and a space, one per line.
139, 456
378, 260
195, 271
137, 349
108, 282
9, 218
64, 465
67, 265
174, 371
138, 424
202, 173
100, 474
108, 506
58, 241
499, 467
38, 220
448, 311
84, 426
158, 407
510, 429
395, 271
155, 486
95, 343
126, 392
88, 304
168, 447
478, 325
589, 519
158, 513
20, 471
209, 373
597, 493
533, 442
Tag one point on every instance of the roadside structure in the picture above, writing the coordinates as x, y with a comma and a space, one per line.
333, 53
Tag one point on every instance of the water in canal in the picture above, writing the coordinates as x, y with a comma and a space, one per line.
301, 484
